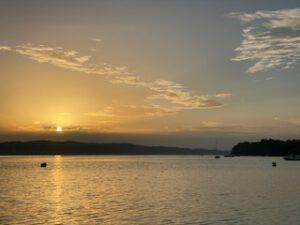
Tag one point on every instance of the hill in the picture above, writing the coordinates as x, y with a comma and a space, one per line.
80, 148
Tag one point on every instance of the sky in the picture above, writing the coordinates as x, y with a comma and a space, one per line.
178, 73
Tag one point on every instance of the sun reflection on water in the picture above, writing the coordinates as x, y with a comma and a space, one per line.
57, 178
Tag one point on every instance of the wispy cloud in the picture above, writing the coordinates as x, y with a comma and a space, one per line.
5, 48
269, 78
103, 126
221, 126
294, 121
68, 59
171, 92
223, 95
121, 111
96, 39
129, 80
213, 127
271, 39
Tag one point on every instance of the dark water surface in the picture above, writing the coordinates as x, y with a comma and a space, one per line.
149, 190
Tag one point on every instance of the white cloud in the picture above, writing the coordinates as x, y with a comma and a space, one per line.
271, 39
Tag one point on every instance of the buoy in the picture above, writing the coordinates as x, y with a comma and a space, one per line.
274, 164
44, 164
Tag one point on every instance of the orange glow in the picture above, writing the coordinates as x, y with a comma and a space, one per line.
59, 129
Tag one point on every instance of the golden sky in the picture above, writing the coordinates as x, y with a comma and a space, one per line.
201, 71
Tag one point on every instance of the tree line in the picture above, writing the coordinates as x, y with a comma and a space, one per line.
267, 147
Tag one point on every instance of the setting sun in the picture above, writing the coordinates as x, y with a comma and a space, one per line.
59, 129
150, 112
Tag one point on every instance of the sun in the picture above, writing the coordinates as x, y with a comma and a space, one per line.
59, 129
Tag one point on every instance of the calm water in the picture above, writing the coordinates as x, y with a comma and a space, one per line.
149, 190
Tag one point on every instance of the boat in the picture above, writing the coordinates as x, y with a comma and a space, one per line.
43, 164
292, 157
217, 156
229, 155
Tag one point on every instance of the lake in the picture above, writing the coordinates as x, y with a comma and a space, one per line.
149, 190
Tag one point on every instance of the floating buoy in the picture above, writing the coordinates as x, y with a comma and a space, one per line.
44, 164
274, 164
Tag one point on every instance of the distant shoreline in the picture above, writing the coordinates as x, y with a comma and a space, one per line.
80, 148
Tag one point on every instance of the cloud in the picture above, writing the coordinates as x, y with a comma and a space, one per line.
129, 80
222, 127
213, 127
294, 121
169, 91
269, 78
96, 39
223, 95
5, 48
68, 59
219, 126
271, 39
37, 126
122, 111
179, 95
